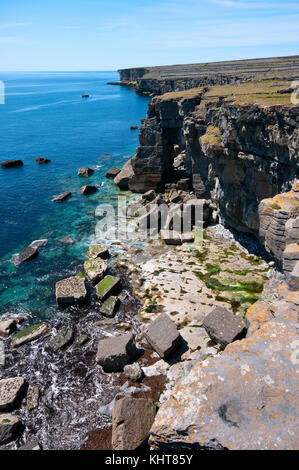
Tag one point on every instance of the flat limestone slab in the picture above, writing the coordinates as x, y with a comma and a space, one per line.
115, 352
62, 339
224, 327
95, 270
62, 197
29, 334
10, 391
107, 287
131, 421
71, 291
163, 335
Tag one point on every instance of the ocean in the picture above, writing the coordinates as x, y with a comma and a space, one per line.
45, 116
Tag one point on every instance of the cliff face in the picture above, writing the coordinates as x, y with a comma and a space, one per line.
237, 152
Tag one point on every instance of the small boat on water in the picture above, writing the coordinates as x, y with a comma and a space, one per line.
85, 96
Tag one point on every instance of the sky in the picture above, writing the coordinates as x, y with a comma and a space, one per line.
66, 35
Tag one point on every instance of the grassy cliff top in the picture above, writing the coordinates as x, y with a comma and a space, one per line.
267, 92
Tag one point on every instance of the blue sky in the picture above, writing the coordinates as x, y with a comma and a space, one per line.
101, 35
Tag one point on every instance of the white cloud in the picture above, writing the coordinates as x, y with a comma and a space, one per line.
15, 25
255, 5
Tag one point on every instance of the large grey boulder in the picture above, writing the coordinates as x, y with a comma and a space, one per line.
70, 291
31, 445
133, 372
115, 352
112, 173
109, 306
224, 327
293, 278
10, 392
85, 172
27, 254
97, 251
162, 335
88, 189
124, 176
29, 334
10, 428
131, 421
107, 287
95, 270
62, 197
62, 339
7, 327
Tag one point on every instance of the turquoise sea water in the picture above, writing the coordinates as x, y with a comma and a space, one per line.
44, 115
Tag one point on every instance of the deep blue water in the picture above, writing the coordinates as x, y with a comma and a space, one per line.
44, 115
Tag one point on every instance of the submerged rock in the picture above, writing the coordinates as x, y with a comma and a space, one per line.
62, 197
224, 327
10, 428
107, 287
41, 160
162, 335
68, 240
115, 352
29, 334
85, 172
12, 163
10, 392
131, 421
95, 269
71, 291
62, 339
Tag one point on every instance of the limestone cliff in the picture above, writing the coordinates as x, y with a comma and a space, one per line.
240, 146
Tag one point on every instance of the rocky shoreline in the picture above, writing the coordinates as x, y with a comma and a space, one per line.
191, 336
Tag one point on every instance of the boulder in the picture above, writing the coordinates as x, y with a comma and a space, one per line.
171, 237
95, 270
131, 422
107, 287
7, 327
29, 334
244, 399
62, 197
124, 176
31, 445
11, 163
133, 372
85, 172
10, 392
290, 257
112, 173
27, 254
109, 306
184, 184
88, 189
67, 240
32, 398
39, 243
71, 291
115, 352
134, 128
62, 339
97, 251
42, 160
162, 335
224, 327
10, 428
